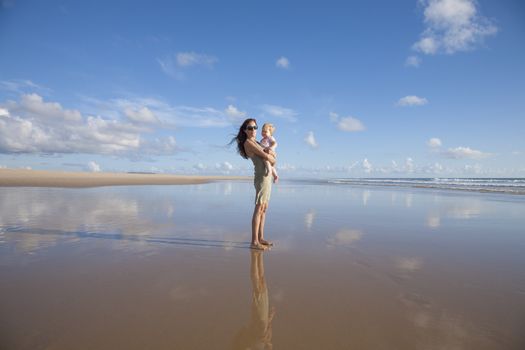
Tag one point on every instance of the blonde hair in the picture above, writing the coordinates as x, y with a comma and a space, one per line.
270, 127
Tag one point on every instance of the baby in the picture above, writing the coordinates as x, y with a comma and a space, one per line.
269, 143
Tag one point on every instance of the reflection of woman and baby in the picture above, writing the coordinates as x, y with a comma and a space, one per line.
258, 333
263, 159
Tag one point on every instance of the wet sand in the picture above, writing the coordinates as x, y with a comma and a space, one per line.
169, 268
39, 178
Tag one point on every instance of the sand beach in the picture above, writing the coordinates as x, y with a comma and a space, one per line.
169, 267
39, 178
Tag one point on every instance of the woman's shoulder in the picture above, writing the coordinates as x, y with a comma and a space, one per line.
249, 145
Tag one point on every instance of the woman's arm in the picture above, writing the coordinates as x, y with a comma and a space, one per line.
252, 147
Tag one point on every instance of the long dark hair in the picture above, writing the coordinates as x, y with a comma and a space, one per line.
241, 137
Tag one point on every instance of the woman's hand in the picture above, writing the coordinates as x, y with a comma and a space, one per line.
270, 152
271, 158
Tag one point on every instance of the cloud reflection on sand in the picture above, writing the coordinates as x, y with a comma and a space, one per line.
366, 196
441, 327
433, 220
409, 264
344, 237
407, 197
64, 211
44, 216
464, 213
309, 219
33, 219
435, 324
463, 209
408, 200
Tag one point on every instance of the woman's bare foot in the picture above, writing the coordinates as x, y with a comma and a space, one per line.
266, 243
258, 246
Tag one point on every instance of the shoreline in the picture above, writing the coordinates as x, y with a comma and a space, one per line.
44, 178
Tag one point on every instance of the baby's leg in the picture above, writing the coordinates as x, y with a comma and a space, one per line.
274, 174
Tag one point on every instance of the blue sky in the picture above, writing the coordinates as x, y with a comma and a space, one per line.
432, 88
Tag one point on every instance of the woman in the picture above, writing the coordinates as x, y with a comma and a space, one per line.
248, 147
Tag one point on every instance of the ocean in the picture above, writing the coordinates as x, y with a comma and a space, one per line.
496, 185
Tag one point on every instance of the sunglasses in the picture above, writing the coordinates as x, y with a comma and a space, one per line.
249, 127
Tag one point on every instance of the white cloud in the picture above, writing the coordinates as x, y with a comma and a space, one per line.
224, 167
465, 153
454, 153
166, 145
93, 167
367, 167
434, 142
283, 62
234, 114
169, 67
407, 168
33, 125
175, 65
19, 86
4, 112
394, 165
413, 61
350, 167
142, 115
446, 13
188, 59
476, 169
200, 167
156, 170
409, 165
286, 167
412, 101
349, 124
436, 168
427, 45
35, 106
310, 140
171, 116
452, 26
280, 112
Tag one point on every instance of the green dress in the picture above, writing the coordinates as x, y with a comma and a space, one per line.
261, 181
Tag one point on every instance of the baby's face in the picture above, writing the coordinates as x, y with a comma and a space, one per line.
265, 132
